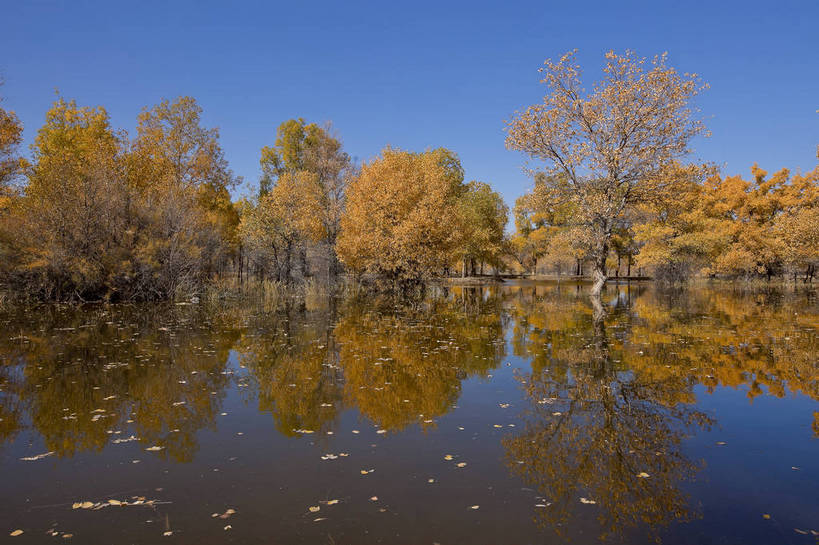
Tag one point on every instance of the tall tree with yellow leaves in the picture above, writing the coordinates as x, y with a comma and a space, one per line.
483, 216
402, 218
71, 221
181, 169
11, 170
318, 198
608, 149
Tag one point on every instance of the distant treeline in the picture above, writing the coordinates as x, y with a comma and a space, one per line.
98, 214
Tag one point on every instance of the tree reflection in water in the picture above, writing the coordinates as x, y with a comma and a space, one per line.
609, 397
397, 363
597, 431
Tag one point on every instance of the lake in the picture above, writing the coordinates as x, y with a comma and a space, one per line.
486, 415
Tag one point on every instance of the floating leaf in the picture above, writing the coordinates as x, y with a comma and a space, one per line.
643, 475
475, 507
314, 508
16, 533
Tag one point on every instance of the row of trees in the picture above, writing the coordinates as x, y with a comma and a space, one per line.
723, 226
405, 216
96, 214
615, 191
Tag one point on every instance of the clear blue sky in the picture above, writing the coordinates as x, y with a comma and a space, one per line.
412, 74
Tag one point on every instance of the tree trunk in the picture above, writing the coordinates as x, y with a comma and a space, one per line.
305, 270
599, 271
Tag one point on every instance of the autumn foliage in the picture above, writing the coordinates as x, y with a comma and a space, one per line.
93, 213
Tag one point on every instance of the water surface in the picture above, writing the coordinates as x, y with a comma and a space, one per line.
496, 414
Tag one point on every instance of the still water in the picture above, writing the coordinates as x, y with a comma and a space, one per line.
496, 414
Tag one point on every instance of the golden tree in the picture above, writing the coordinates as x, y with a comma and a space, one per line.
71, 225
401, 218
608, 149
11, 168
484, 216
11, 163
312, 155
185, 181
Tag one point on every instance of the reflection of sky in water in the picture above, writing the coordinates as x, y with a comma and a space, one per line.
712, 394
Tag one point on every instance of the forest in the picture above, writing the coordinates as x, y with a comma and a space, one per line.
94, 213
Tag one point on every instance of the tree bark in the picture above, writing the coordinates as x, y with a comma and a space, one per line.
599, 272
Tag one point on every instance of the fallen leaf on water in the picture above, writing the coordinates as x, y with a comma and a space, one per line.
374, 498
766, 516
448, 457
431, 480
720, 443
319, 519
461, 464
798, 531
356, 431
475, 507
381, 431
16, 533
68, 536
643, 475
154, 448
115, 502
332, 502
584, 500
227, 514
37, 457
168, 533
87, 505
314, 508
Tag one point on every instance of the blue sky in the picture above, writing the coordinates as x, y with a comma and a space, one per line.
413, 74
